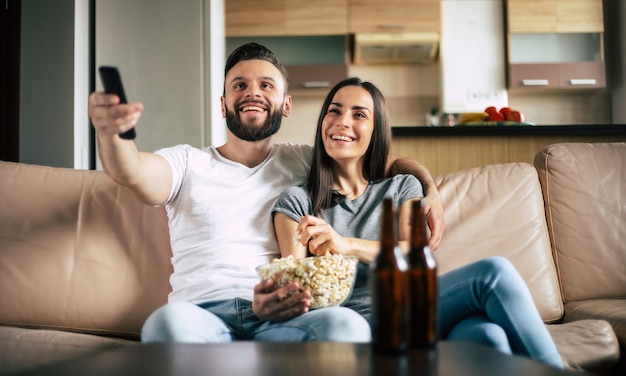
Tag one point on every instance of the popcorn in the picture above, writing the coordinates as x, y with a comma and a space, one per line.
328, 278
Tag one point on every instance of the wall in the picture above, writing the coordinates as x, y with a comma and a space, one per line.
564, 108
47, 83
171, 58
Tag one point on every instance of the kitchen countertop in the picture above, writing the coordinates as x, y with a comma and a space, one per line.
537, 130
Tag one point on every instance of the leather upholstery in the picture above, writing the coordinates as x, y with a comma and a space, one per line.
75, 255
584, 188
498, 210
81, 257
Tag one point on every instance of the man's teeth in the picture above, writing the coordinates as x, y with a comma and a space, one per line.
341, 138
252, 108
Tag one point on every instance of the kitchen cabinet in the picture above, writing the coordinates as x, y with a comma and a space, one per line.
315, 79
558, 76
555, 44
316, 17
247, 18
285, 17
556, 16
330, 17
394, 15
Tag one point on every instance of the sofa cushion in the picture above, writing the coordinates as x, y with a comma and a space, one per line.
25, 349
498, 210
586, 345
584, 186
78, 252
611, 310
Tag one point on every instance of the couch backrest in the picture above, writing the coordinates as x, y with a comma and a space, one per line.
78, 252
497, 210
584, 186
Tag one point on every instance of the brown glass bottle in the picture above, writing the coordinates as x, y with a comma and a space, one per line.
422, 284
388, 288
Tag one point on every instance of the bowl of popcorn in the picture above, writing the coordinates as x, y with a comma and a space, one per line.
329, 278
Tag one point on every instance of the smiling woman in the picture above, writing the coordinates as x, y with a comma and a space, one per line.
346, 133
339, 211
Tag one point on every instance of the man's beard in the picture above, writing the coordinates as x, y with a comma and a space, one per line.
251, 133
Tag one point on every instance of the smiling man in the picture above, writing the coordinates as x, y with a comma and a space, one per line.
218, 202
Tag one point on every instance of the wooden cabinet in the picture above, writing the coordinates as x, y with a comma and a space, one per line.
285, 17
247, 18
555, 44
555, 16
315, 79
394, 15
531, 16
316, 17
329, 17
579, 16
545, 76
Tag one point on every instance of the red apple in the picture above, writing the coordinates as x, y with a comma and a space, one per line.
491, 109
505, 112
516, 116
496, 116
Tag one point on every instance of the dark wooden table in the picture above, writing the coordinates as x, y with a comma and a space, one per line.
308, 358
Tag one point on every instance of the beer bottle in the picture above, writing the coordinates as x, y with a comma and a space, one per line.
422, 284
388, 288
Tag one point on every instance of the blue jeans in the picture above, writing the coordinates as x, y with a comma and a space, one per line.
485, 302
488, 301
233, 319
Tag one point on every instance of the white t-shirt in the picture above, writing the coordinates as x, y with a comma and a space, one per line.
220, 221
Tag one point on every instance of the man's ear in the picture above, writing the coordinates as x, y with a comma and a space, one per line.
287, 106
223, 105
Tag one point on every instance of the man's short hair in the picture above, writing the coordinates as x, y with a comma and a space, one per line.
255, 51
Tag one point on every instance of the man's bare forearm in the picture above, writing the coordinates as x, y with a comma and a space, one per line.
434, 207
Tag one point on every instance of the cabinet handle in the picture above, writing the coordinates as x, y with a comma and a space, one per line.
542, 82
316, 84
582, 81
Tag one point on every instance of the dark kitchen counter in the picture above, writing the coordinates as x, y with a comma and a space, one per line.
537, 130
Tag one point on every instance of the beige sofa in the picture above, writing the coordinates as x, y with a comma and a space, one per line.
83, 263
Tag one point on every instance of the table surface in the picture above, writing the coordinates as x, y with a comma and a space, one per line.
304, 358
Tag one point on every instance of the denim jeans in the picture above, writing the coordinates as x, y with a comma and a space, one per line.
233, 319
485, 302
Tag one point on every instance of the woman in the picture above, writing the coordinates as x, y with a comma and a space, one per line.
339, 209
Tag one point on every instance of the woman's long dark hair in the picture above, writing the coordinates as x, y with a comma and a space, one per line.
321, 178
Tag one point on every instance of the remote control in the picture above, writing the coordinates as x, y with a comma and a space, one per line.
112, 82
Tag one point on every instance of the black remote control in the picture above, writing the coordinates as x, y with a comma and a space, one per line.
112, 82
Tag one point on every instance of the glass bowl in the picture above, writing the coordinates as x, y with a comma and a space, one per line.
328, 278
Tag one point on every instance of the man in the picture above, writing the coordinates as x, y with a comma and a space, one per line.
218, 202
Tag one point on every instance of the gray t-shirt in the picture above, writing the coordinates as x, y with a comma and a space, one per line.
359, 218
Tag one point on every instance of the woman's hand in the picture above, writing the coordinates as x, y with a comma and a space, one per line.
321, 237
